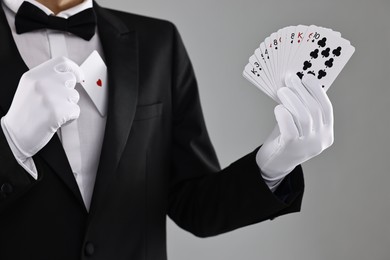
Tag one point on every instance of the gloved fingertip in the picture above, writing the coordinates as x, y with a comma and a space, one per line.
70, 66
61, 67
286, 123
287, 79
310, 81
295, 80
281, 113
80, 76
283, 93
278, 109
280, 94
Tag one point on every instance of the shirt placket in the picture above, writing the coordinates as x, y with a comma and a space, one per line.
68, 133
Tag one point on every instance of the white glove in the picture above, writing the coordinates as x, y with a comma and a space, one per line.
44, 100
304, 128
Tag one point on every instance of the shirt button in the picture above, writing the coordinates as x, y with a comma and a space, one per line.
6, 188
89, 249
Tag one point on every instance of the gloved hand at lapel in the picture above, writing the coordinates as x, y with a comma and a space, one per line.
304, 128
44, 100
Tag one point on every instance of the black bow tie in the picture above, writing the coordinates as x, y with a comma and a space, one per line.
30, 18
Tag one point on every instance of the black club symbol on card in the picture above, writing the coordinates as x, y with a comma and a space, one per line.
325, 53
322, 42
329, 63
306, 65
300, 75
337, 51
321, 74
314, 54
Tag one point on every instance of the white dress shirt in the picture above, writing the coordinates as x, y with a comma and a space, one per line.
82, 141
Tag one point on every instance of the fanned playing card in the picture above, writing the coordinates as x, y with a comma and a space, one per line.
299, 50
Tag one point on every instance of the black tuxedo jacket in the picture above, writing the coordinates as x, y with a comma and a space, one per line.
156, 160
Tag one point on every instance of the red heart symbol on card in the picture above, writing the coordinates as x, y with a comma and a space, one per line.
99, 82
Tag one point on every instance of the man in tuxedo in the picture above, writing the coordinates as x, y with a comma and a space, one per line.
81, 182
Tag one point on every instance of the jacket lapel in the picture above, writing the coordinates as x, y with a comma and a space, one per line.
12, 69
121, 54
12, 65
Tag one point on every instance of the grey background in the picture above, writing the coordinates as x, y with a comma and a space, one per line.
346, 207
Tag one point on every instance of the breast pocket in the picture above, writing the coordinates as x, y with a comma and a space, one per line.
148, 112
147, 128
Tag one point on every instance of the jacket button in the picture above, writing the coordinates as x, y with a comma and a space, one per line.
6, 188
89, 249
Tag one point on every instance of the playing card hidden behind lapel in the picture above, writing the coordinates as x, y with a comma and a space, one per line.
299, 50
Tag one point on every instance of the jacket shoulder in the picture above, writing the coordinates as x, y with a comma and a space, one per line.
142, 22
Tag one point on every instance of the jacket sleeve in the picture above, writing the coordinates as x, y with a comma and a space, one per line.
14, 180
203, 199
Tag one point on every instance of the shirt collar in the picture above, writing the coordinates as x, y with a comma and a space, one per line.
15, 4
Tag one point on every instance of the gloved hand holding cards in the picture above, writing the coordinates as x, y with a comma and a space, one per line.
298, 50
